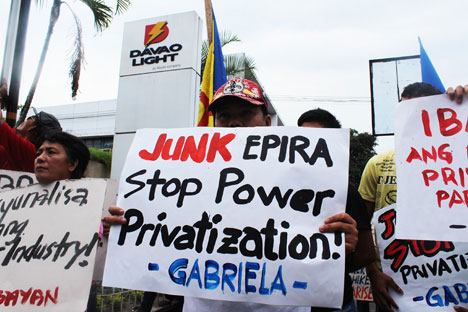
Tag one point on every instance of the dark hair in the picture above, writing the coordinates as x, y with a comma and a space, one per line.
44, 123
74, 147
321, 116
419, 89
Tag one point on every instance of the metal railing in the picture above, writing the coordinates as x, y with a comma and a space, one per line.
111, 299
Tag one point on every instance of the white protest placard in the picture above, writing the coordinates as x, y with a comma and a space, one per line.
12, 179
432, 274
48, 240
361, 285
233, 214
432, 173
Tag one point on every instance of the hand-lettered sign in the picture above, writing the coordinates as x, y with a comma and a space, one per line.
233, 214
361, 285
432, 274
13, 179
48, 240
431, 136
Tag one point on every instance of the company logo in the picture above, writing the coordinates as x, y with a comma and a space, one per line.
156, 33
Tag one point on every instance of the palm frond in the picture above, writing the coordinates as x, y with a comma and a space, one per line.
102, 13
228, 37
204, 54
77, 56
122, 6
238, 64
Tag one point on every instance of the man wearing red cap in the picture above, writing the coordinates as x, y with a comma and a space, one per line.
240, 103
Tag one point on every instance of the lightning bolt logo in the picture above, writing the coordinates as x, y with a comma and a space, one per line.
156, 33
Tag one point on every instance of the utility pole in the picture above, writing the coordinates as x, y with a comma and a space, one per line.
209, 20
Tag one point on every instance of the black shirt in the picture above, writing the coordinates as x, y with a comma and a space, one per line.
356, 208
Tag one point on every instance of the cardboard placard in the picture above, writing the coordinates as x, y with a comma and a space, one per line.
48, 240
233, 214
432, 175
432, 274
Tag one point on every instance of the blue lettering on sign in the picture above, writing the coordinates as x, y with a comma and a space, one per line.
195, 273
229, 274
214, 276
175, 267
249, 274
278, 282
211, 279
300, 285
262, 290
445, 296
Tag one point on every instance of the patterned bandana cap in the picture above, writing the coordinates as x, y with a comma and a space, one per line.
241, 88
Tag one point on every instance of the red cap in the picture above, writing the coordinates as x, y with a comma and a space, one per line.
241, 88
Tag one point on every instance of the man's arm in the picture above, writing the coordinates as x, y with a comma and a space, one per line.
365, 252
380, 283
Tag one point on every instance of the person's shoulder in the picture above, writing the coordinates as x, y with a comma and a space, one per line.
384, 156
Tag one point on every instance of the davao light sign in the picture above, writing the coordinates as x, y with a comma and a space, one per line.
155, 33
158, 44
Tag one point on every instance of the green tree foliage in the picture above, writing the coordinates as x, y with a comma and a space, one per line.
103, 157
361, 150
234, 63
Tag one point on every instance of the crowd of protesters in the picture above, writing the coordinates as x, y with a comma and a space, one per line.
39, 145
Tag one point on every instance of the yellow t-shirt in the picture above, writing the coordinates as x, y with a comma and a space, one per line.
378, 181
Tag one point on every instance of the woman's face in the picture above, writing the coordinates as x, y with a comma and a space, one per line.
52, 163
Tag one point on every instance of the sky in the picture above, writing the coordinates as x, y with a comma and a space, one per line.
307, 53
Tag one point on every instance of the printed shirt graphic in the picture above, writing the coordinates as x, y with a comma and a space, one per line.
378, 182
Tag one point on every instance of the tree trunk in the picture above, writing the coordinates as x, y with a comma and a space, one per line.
54, 15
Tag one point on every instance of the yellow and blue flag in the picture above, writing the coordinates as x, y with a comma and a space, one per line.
214, 76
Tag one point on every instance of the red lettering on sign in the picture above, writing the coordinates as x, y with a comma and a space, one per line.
398, 250
426, 124
218, 144
448, 126
197, 154
177, 150
388, 218
440, 153
429, 175
30, 296
455, 197
144, 154
186, 148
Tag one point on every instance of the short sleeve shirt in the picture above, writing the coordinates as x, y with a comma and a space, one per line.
378, 181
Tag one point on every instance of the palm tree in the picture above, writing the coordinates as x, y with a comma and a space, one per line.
236, 64
102, 17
